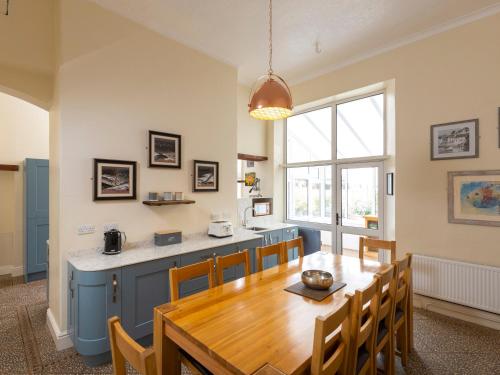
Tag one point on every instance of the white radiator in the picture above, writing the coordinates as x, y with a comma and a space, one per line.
458, 282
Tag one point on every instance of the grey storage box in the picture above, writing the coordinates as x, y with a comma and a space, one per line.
168, 237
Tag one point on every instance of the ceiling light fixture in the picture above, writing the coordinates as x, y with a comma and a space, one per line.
270, 98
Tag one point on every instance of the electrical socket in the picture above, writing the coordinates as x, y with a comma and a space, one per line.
107, 227
86, 229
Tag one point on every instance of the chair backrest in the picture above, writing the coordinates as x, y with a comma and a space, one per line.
365, 242
387, 293
331, 356
296, 242
223, 262
276, 249
363, 322
180, 274
124, 348
402, 281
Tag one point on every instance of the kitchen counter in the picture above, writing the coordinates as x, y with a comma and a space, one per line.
93, 260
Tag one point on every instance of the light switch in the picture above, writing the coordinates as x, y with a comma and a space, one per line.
86, 229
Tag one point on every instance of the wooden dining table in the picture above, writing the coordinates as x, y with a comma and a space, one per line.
252, 325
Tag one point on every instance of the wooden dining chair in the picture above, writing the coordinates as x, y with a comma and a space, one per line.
384, 340
277, 249
401, 311
180, 274
223, 262
330, 353
372, 243
363, 321
124, 348
295, 243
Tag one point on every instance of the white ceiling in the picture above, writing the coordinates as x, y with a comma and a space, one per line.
235, 31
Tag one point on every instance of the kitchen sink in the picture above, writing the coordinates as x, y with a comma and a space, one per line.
255, 229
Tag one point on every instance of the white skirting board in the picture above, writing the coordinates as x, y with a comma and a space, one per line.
12, 270
61, 339
453, 310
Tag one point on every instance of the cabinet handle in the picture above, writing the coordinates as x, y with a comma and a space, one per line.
70, 289
115, 287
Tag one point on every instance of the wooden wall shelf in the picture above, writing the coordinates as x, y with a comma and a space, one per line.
167, 203
251, 157
9, 167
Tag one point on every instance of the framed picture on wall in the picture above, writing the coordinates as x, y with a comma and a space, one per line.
205, 176
114, 179
474, 197
455, 140
164, 150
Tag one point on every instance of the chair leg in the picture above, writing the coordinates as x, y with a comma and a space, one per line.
403, 343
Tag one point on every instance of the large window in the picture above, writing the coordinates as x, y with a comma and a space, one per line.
334, 166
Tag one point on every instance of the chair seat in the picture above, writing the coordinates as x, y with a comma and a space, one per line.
195, 363
363, 357
398, 315
382, 332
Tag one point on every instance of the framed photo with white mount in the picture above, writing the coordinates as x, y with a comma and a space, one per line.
205, 176
164, 150
114, 179
455, 140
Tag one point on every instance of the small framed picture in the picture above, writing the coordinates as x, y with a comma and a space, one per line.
114, 179
390, 183
164, 150
205, 176
455, 140
474, 197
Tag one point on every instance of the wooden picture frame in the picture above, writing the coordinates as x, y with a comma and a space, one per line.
164, 150
474, 197
115, 180
455, 140
205, 176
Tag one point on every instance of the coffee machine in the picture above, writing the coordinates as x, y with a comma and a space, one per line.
113, 241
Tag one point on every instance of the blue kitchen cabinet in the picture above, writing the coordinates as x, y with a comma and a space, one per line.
188, 287
271, 238
94, 298
290, 234
145, 285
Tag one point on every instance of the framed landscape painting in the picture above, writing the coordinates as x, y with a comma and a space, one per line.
114, 179
474, 197
455, 140
205, 176
164, 150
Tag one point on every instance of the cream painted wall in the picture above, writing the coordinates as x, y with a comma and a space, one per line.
116, 81
448, 77
27, 53
24, 133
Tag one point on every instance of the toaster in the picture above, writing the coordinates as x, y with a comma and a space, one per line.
220, 229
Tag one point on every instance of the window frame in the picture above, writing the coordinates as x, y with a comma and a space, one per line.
334, 160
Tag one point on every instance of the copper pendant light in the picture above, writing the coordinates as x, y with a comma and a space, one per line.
270, 98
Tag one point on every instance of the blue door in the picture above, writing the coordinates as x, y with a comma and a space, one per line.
37, 218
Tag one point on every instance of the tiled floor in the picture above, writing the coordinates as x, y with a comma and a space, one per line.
442, 345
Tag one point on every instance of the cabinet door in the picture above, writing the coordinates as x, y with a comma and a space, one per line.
275, 236
198, 284
98, 297
290, 234
145, 286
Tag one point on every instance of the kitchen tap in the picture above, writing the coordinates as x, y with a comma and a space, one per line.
245, 222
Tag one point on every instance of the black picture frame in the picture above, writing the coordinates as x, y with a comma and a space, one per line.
132, 180
460, 125
389, 181
202, 181
176, 138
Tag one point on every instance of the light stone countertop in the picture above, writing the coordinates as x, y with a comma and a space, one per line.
89, 260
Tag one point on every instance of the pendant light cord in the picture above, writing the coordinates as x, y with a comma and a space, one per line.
270, 71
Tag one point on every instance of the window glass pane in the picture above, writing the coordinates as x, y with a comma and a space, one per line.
309, 136
360, 127
360, 197
309, 194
